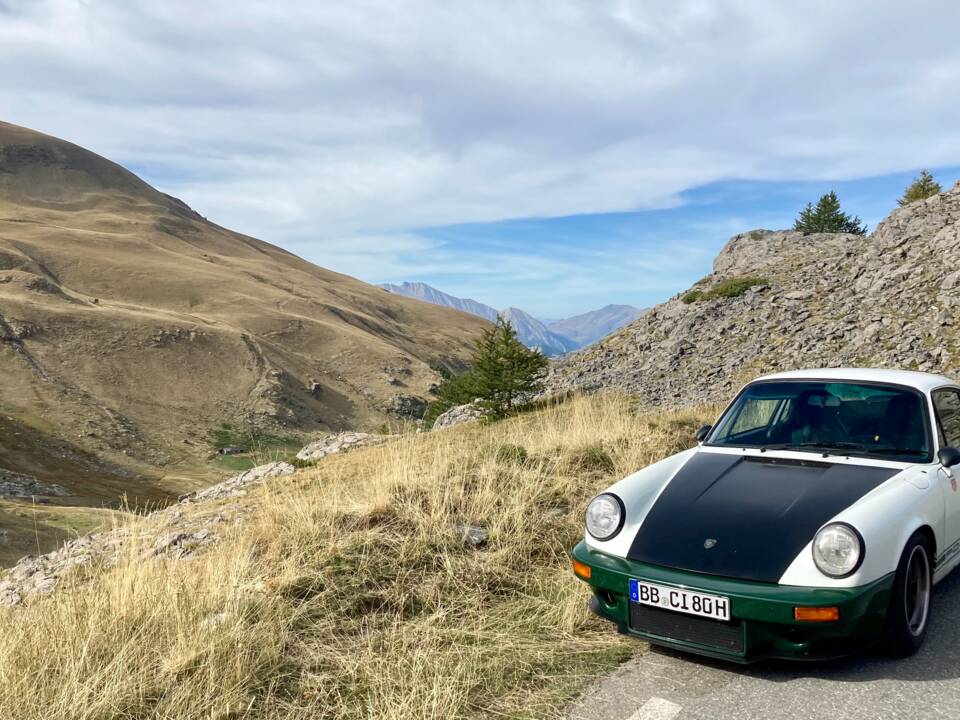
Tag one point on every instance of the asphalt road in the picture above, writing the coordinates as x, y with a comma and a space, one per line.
663, 685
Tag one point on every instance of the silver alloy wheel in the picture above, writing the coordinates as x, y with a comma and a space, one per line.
917, 590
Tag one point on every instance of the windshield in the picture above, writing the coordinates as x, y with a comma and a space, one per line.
839, 418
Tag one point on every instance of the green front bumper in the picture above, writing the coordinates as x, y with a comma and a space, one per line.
763, 611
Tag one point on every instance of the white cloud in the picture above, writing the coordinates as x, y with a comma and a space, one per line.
299, 121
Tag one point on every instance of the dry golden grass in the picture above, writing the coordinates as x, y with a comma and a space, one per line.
347, 594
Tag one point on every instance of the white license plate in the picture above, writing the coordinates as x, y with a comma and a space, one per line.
680, 600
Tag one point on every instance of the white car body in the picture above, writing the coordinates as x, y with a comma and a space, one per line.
917, 495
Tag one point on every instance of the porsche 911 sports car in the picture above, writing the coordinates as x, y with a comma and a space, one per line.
813, 518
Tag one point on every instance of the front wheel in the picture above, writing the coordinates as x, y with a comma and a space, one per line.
910, 604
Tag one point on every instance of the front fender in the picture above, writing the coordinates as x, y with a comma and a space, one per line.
886, 518
638, 492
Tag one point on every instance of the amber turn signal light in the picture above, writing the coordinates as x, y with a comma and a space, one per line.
581, 570
816, 614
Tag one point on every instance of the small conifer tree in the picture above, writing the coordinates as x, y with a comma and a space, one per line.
827, 217
920, 189
505, 375
507, 372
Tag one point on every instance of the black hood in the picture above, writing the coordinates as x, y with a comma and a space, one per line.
759, 511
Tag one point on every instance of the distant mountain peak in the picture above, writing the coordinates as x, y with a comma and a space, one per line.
589, 327
422, 291
551, 338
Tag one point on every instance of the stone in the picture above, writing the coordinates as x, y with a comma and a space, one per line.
471, 535
457, 415
170, 541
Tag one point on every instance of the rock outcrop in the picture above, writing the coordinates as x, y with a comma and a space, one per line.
172, 532
339, 442
18, 485
457, 415
237, 485
783, 300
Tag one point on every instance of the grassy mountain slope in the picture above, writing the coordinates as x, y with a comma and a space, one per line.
130, 326
343, 599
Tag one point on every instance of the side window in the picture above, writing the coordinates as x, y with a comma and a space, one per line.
947, 405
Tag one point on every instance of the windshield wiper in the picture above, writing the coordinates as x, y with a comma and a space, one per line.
818, 445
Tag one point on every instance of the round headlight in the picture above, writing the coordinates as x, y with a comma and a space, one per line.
604, 516
837, 550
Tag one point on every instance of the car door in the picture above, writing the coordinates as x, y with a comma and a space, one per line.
946, 404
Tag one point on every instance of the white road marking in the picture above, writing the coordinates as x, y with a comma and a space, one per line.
657, 708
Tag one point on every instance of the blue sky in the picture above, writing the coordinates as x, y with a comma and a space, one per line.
579, 262
555, 155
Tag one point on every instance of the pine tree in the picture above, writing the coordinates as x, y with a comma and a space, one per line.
506, 372
827, 217
920, 189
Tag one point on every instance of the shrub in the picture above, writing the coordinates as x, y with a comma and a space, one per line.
453, 391
593, 457
247, 435
731, 287
735, 287
508, 453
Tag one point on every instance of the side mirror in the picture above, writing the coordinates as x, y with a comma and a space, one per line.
949, 456
702, 433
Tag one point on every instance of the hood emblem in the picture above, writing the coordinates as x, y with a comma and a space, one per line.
709, 543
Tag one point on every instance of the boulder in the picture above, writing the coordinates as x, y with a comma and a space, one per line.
457, 415
471, 535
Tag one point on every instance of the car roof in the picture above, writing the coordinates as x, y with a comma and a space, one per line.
919, 380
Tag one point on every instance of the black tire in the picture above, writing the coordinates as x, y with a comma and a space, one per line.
909, 613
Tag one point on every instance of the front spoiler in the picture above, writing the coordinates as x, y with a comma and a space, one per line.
765, 609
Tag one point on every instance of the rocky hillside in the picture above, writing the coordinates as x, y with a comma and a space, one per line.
131, 327
782, 300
